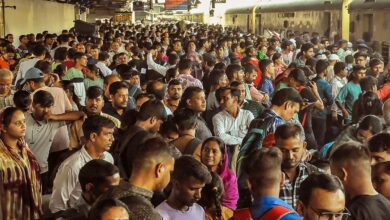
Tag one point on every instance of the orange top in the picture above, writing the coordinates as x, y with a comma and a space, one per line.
4, 64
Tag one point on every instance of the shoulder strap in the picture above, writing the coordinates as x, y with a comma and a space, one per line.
191, 146
276, 213
242, 214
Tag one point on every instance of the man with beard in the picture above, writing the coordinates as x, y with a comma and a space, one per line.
175, 91
93, 106
119, 95
188, 179
307, 51
290, 138
148, 121
151, 173
41, 129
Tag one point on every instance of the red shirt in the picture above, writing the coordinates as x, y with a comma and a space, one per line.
384, 92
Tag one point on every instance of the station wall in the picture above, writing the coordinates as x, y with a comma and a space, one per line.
34, 16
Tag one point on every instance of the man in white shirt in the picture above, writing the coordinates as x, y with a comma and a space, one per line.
338, 82
188, 179
173, 61
39, 53
103, 63
66, 188
232, 123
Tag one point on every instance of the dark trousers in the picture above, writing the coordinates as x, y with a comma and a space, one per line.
319, 130
55, 159
45, 179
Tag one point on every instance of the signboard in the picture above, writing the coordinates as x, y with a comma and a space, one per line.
220, 1
176, 4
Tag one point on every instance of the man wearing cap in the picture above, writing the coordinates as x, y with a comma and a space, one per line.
333, 59
34, 79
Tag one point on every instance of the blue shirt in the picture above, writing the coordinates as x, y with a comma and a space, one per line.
267, 86
325, 92
261, 205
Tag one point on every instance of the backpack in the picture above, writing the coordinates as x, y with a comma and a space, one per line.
254, 139
274, 213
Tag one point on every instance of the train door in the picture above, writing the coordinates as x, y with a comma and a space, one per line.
258, 24
328, 23
368, 27
248, 23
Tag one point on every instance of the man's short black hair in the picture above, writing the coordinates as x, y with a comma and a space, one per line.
339, 66
352, 152
375, 62
188, 93
372, 123
209, 60
22, 100
43, 98
103, 56
173, 58
233, 92
115, 86
152, 108
78, 55
249, 68
358, 67
379, 142
231, 69
94, 92
154, 149
185, 119
321, 66
289, 130
269, 161
96, 172
367, 83
39, 50
327, 182
360, 54
185, 64
94, 124
287, 94
306, 46
174, 82
187, 166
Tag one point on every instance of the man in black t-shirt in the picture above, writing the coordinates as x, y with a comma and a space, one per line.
351, 163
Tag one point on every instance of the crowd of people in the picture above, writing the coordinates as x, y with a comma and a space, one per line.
196, 122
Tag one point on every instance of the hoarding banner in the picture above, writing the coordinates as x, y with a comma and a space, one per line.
176, 4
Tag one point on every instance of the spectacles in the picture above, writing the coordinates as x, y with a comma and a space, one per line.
325, 215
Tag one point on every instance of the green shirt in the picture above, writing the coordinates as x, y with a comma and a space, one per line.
73, 73
348, 95
89, 82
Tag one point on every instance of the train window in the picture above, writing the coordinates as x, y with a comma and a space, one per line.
370, 0
285, 24
352, 27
